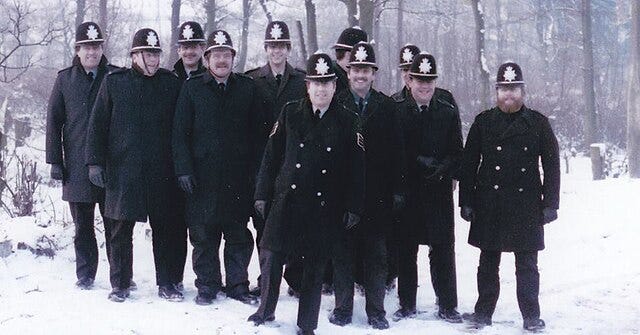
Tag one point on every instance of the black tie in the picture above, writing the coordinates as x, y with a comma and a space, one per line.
361, 106
424, 109
90, 74
221, 88
316, 115
278, 79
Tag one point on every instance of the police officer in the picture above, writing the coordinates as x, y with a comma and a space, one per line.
278, 83
347, 39
502, 196
433, 146
407, 53
191, 46
310, 188
129, 154
218, 136
362, 253
70, 104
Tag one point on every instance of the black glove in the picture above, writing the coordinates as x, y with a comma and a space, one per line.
57, 172
351, 220
550, 214
187, 183
467, 213
398, 202
97, 176
427, 162
261, 208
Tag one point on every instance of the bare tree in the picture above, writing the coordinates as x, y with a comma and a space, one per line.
590, 119
80, 10
263, 4
352, 11
633, 95
175, 22
103, 20
478, 15
312, 33
211, 9
246, 16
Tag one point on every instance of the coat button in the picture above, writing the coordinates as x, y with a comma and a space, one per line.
520, 189
525, 148
298, 165
496, 187
319, 194
293, 186
328, 149
322, 203
499, 148
523, 170
324, 171
497, 167
301, 145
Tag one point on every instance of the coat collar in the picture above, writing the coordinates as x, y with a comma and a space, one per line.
305, 126
266, 73
178, 69
519, 126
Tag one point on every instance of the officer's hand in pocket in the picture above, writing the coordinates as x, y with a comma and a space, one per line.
550, 214
467, 213
57, 172
97, 176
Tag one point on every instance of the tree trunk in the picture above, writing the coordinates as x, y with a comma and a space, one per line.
103, 20
80, 8
400, 37
242, 57
211, 9
352, 12
263, 4
366, 17
633, 97
590, 119
485, 84
175, 23
499, 30
312, 30
303, 47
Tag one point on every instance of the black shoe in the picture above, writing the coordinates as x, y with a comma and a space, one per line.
477, 320
179, 286
205, 298
339, 319
533, 325
244, 298
132, 285
255, 292
450, 315
305, 332
379, 322
169, 292
327, 289
84, 283
293, 293
404, 313
118, 295
257, 319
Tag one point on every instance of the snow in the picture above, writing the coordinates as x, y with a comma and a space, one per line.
590, 280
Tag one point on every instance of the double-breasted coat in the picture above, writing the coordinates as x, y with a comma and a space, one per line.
501, 179
312, 173
130, 136
434, 133
218, 138
70, 104
384, 160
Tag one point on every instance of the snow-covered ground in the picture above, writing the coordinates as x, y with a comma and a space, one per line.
590, 281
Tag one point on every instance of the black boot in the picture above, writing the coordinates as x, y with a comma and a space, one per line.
170, 293
339, 319
477, 320
245, 298
118, 295
205, 297
404, 313
533, 325
257, 319
450, 315
84, 283
379, 322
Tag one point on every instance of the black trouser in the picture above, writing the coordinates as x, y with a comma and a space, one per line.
442, 265
84, 241
271, 264
121, 254
205, 238
392, 252
178, 241
371, 252
527, 283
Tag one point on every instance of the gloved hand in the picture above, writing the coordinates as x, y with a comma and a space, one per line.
436, 176
399, 202
187, 183
57, 172
351, 220
97, 176
467, 213
426, 162
550, 214
261, 208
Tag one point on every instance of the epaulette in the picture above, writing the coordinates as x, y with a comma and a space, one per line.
300, 70
118, 71
198, 75
65, 69
252, 70
446, 103
242, 75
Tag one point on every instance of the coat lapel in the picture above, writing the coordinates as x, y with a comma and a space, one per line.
519, 126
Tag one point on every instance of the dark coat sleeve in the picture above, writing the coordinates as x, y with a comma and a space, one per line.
272, 159
259, 128
550, 165
55, 124
99, 125
182, 133
398, 151
454, 150
470, 162
356, 169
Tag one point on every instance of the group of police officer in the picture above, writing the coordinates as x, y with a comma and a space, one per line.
343, 183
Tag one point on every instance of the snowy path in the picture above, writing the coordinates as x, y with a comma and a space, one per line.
590, 283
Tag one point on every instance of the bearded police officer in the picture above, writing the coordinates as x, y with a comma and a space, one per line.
278, 83
501, 194
70, 104
218, 136
129, 154
347, 39
310, 188
361, 253
191, 46
433, 146
407, 53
